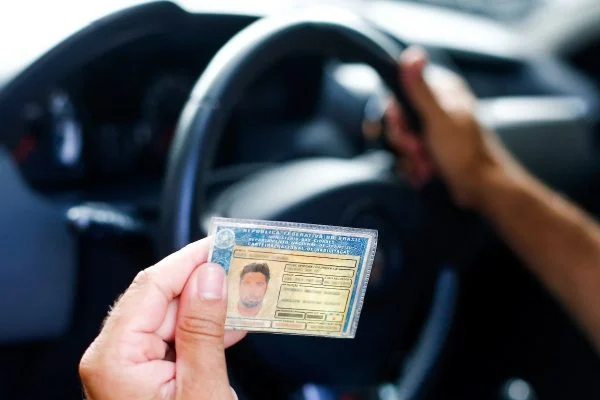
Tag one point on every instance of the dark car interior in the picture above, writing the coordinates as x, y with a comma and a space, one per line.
107, 164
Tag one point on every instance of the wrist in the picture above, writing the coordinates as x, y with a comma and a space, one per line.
495, 173
495, 185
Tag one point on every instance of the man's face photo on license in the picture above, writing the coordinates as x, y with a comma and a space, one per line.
254, 281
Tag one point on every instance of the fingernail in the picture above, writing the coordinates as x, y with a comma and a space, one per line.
211, 278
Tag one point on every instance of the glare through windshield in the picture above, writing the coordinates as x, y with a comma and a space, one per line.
497, 9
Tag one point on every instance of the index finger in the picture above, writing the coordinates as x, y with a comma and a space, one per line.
173, 271
413, 62
144, 305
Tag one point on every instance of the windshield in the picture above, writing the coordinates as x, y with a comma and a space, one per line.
505, 10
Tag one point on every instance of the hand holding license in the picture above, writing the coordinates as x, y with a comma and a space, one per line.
293, 278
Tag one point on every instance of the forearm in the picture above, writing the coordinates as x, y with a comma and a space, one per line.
557, 241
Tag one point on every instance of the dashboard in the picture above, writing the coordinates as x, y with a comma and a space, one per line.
112, 120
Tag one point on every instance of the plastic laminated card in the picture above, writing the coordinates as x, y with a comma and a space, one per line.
293, 278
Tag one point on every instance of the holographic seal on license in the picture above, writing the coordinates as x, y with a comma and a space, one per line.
293, 278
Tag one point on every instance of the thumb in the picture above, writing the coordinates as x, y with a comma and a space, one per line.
412, 62
201, 371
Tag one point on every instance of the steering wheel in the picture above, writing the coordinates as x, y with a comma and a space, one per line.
362, 192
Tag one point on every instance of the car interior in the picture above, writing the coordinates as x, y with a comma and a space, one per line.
126, 125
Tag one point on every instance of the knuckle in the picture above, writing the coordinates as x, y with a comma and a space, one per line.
202, 327
142, 278
85, 367
463, 115
97, 370
89, 367
147, 279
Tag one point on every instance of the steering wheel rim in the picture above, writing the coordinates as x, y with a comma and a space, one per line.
339, 34
330, 32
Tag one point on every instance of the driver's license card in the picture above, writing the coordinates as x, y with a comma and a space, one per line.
293, 278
